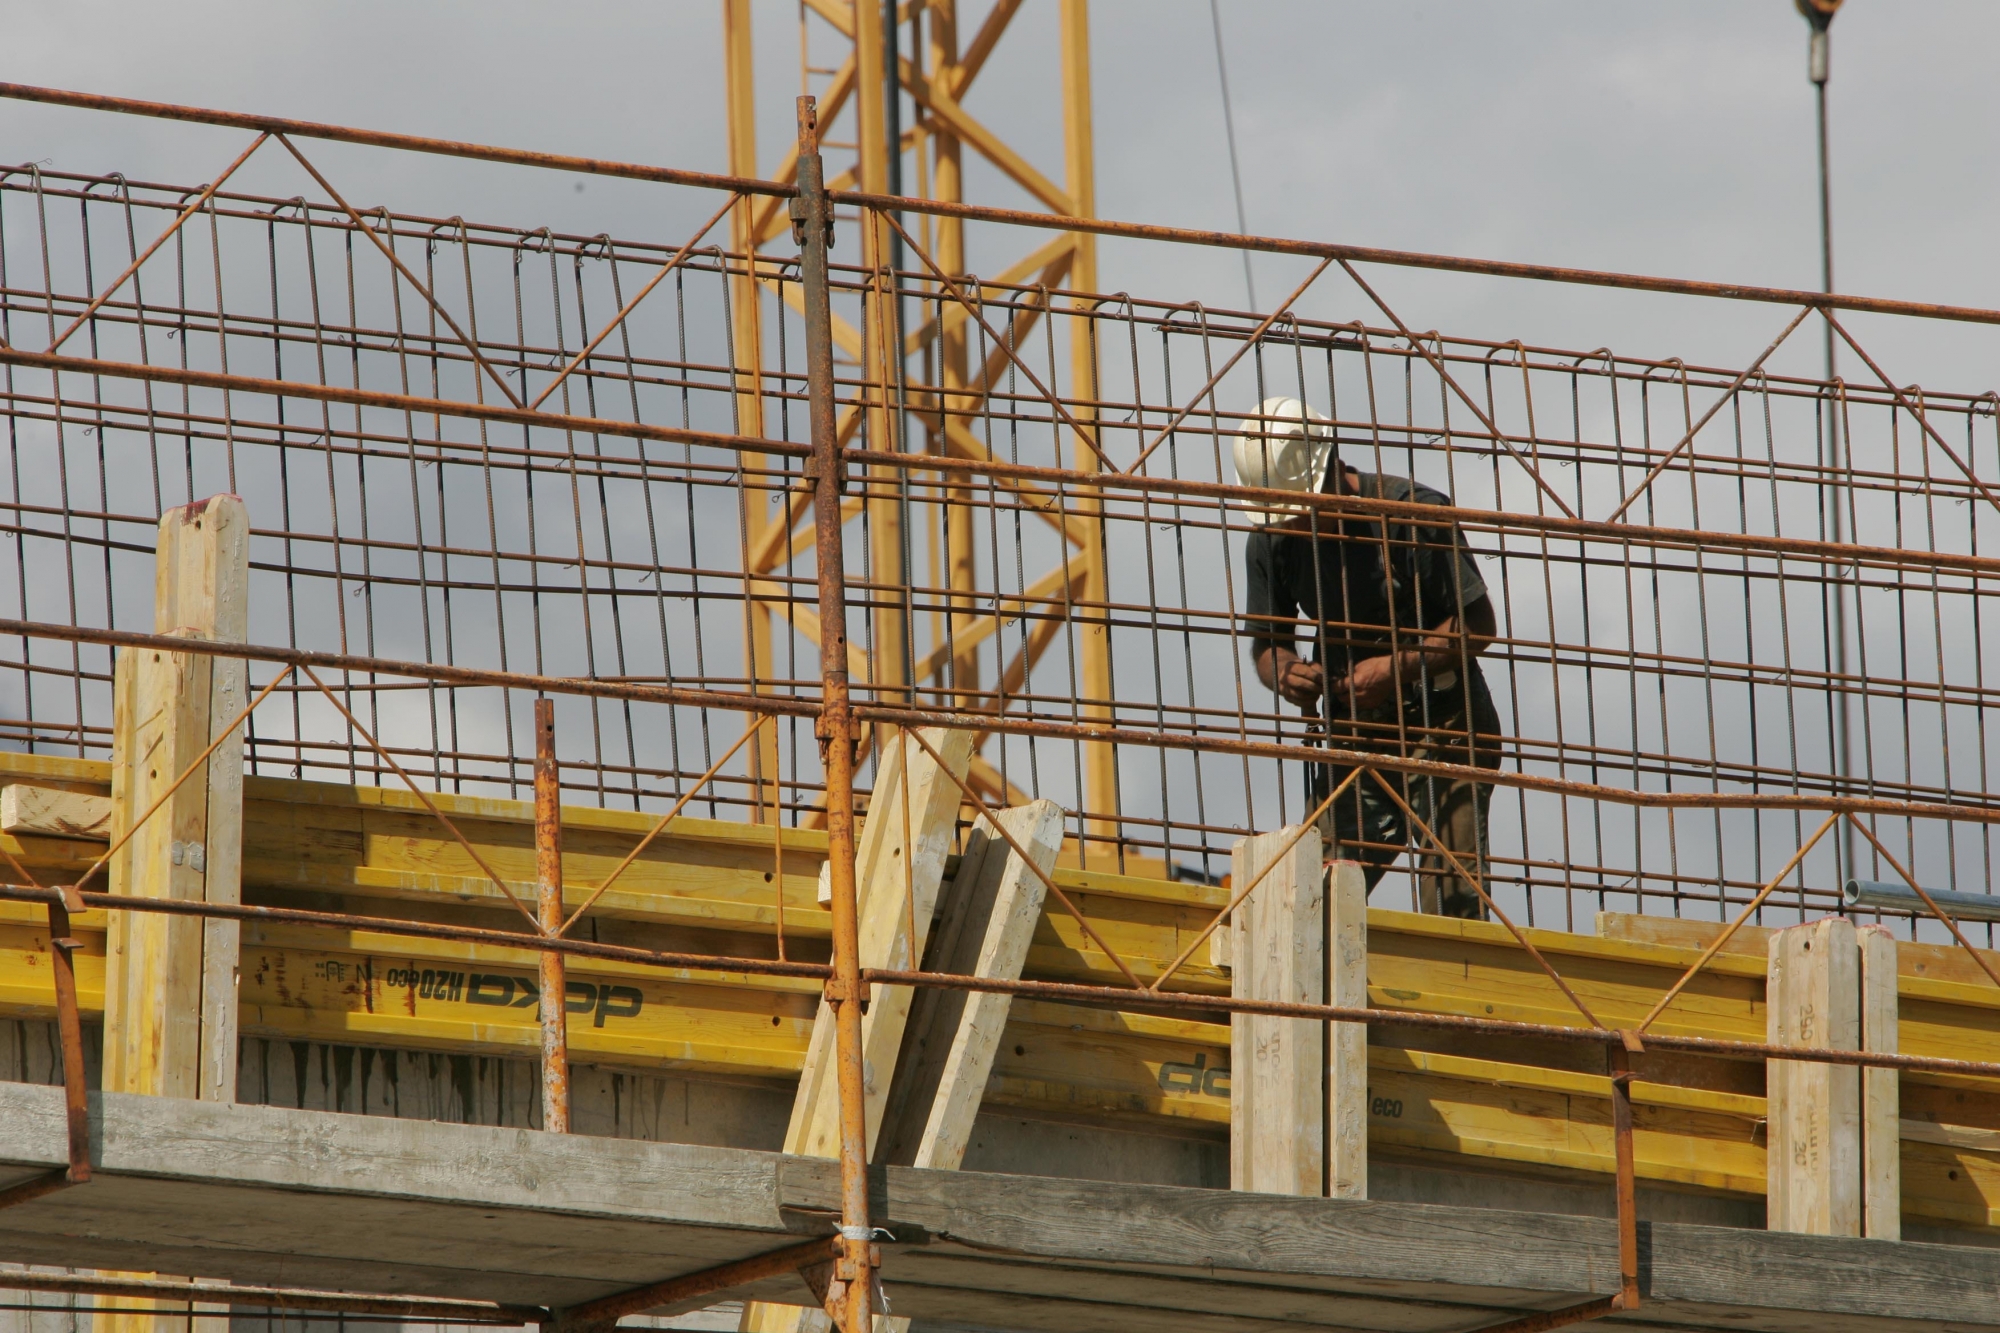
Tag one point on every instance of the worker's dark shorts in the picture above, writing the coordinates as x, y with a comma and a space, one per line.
1367, 824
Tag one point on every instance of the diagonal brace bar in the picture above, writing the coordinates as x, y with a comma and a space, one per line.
206, 194
402, 268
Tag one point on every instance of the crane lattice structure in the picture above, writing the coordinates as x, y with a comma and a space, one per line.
859, 91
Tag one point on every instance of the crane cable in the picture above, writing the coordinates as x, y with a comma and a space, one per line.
1229, 128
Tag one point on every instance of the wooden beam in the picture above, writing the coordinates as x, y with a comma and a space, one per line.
1814, 1148
171, 1005
1277, 1117
897, 883
987, 920
54, 812
887, 899
170, 983
1881, 1090
1347, 1043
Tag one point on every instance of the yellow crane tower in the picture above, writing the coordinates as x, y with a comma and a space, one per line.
923, 50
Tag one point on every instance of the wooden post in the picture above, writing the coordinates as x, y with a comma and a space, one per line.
170, 982
1277, 1117
1346, 1081
1813, 1143
1881, 1091
886, 903
984, 929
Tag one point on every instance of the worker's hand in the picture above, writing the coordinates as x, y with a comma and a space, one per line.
1301, 682
1369, 682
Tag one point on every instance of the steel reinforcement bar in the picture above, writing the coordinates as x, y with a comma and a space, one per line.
1014, 217
903, 716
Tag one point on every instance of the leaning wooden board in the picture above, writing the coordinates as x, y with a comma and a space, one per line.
1699, 1124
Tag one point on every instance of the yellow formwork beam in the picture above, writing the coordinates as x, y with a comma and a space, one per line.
1698, 1128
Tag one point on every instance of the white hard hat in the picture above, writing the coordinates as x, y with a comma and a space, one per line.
1286, 450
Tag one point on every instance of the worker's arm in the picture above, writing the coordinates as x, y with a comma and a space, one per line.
1283, 670
1374, 680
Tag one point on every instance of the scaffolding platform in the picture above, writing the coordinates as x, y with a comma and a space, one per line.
264, 1195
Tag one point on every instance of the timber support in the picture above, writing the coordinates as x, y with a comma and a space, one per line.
170, 982
1833, 1131
1298, 1090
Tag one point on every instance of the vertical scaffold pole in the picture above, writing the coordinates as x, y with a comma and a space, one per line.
548, 876
850, 1293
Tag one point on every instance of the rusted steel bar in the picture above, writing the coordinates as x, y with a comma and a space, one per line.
1227, 366
35, 1187
1363, 254
1715, 945
193, 207
1108, 997
1010, 725
396, 262
1670, 455
445, 1309
1416, 341
1016, 217
452, 675
198, 764
1048, 881
1331, 506
679, 257
412, 143
399, 402
69, 1032
554, 1016
708, 1282
850, 1294
422, 795
1527, 945
1004, 345
660, 827
1236, 898
1923, 420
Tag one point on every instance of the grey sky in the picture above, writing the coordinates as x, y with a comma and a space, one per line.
1664, 139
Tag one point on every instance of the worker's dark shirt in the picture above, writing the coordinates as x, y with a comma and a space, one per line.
1356, 591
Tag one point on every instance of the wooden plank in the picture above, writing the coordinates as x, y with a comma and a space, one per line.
54, 812
988, 919
885, 912
152, 1036
171, 1005
1277, 1103
1347, 1043
1881, 1089
1915, 961
898, 867
1814, 1156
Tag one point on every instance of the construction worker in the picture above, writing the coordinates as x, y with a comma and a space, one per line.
1399, 615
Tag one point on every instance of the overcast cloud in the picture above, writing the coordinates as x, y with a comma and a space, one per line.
1669, 139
